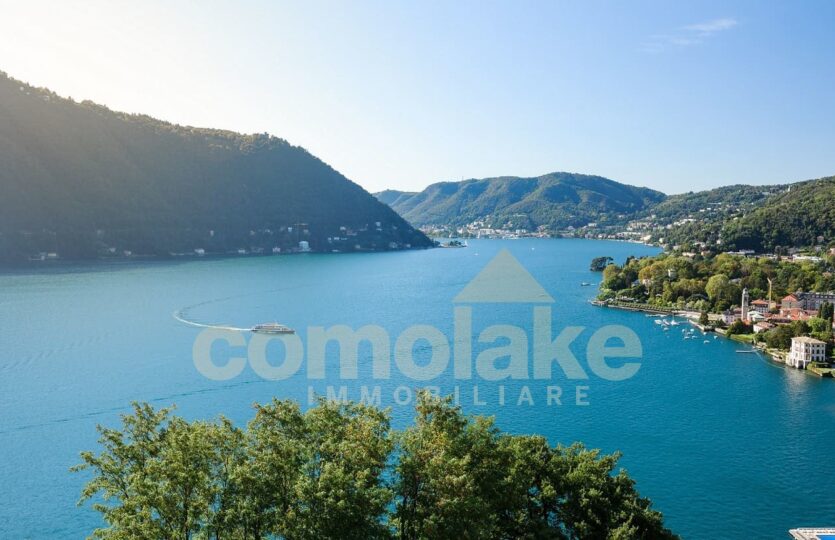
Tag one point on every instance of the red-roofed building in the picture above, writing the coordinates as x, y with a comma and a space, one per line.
790, 302
797, 314
761, 306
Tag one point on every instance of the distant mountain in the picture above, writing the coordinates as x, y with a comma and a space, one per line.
803, 215
555, 201
83, 181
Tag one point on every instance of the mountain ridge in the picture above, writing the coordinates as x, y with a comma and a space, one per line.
736, 216
553, 200
82, 181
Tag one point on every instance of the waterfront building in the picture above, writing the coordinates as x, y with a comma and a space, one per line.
731, 315
763, 326
805, 350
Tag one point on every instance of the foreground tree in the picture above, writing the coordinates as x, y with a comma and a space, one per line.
159, 471
462, 478
338, 471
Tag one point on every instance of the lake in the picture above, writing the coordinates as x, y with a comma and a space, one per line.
726, 445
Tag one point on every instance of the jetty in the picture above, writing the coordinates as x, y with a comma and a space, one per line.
635, 306
813, 533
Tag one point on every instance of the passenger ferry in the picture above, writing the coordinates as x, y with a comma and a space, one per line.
272, 328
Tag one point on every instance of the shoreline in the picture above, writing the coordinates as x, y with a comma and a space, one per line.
776, 357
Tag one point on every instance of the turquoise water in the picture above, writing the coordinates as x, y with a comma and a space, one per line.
726, 445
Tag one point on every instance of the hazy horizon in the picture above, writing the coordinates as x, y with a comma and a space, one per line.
394, 96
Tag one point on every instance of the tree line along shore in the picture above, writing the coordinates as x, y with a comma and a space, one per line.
768, 302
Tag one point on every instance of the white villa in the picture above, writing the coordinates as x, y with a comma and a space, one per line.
805, 350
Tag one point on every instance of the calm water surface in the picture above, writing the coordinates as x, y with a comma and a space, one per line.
727, 445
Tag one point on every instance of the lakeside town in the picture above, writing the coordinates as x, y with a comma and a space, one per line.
782, 306
286, 239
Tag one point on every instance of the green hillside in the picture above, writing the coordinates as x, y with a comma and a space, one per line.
83, 181
721, 202
555, 201
804, 215
393, 197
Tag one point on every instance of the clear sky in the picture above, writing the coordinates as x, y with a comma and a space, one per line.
672, 95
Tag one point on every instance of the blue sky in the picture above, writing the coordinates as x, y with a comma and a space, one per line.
671, 95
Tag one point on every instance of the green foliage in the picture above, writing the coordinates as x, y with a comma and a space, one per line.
712, 283
802, 216
338, 471
79, 179
719, 288
598, 264
738, 328
704, 319
816, 324
826, 311
781, 337
723, 202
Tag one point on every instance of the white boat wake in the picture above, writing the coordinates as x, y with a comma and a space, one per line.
179, 317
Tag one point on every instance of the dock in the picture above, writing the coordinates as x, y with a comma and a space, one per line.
813, 534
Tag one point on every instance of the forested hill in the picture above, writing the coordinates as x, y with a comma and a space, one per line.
555, 201
721, 201
82, 181
803, 215
394, 197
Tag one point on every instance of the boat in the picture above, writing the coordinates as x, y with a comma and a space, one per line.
272, 328
454, 244
585, 284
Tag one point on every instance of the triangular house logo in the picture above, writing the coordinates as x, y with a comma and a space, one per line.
503, 281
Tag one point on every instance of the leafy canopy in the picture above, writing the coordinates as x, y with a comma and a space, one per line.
338, 470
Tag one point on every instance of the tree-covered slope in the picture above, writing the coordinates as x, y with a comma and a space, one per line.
555, 200
393, 197
721, 201
82, 181
803, 215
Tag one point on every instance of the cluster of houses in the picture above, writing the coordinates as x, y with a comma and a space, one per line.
764, 315
481, 229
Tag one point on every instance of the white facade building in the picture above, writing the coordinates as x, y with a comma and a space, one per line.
805, 350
